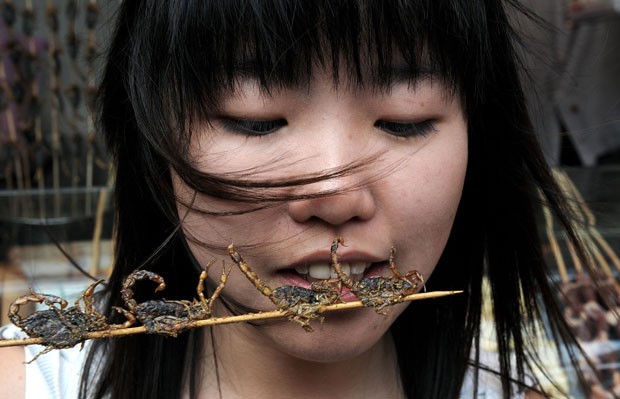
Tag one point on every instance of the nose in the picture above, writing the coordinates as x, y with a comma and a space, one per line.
335, 134
352, 204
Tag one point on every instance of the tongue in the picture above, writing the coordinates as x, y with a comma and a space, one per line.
292, 278
375, 270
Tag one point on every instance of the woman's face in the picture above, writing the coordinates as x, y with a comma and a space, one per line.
406, 198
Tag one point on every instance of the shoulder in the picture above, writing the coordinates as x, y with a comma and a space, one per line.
12, 384
12, 358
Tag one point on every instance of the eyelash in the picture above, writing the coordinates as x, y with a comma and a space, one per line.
259, 128
252, 127
407, 129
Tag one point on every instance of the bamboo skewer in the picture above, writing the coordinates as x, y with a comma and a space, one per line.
10, 97
590, 221
555, 247
38, 131
10, 121
228, 319
54, 84
596, 246
573, 255
96, 242
92, 11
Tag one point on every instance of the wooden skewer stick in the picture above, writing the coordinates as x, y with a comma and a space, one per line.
555, 247
590, 220
228, 319
589, 234
96, 241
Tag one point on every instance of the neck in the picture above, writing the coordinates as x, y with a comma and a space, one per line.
250, 367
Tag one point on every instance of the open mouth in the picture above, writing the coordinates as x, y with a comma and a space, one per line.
305, 275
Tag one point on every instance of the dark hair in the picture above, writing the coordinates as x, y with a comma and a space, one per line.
169, 62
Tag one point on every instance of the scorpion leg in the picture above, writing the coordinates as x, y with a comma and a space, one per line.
413, 277
207, 304
131, 318
220, 287
200, 288
43, 352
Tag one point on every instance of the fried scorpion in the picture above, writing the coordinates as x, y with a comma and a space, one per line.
300, 304
59, 327
378, 292
168, 317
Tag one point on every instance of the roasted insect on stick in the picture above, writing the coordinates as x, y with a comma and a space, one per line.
215, 321
300, 304
169, 317
59, 327
378, 292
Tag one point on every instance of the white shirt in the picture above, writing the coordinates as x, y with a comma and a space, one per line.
54, 375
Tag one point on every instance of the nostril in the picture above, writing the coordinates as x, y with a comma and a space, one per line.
356, 205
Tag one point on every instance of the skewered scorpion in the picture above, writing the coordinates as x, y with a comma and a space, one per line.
59, 327
378, 292
301, 304
169, 317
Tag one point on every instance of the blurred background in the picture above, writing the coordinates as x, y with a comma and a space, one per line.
56, 217
55, 214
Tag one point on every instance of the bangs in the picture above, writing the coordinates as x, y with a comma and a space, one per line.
187, 53
171, 62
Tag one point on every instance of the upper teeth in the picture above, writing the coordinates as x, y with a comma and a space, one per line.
323, 271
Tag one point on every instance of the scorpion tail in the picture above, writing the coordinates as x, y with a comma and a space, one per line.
247, 271
130, 281
346, 280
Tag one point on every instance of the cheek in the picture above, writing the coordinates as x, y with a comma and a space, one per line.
430, 188
219, 231
426, 198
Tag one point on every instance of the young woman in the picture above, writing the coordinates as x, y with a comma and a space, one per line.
278, 126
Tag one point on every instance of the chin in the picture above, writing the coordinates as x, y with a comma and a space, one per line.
344, 335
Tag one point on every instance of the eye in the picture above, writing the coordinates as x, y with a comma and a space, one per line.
406, 129
252, 127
